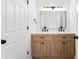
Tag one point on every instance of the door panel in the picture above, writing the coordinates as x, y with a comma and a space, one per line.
3, 51
17, 17
10, 50
21, 2
3, 17
20, 17
10, 16
21, 49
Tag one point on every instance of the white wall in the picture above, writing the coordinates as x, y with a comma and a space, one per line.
73, 16
74, 22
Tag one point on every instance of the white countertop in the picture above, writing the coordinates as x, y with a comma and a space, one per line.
52, 33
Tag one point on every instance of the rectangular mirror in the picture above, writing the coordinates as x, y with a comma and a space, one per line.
53, 19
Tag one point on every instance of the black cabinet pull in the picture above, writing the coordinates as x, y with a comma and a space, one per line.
42, 42
64, 37
63, 42
42, 37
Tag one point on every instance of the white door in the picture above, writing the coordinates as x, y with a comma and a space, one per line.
14, 29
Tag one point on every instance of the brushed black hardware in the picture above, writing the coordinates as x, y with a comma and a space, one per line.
45, 29
27, 52
63, 42
42, 42
61, 29
42, 37
75, 37
27, 2
64, 37
27, 27
3, 41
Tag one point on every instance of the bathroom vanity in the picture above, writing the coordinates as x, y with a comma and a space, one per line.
53, 46
49, 45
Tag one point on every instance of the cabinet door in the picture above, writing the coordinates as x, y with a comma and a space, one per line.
40, 49
41, 45
45, 48
64, 48
36, 51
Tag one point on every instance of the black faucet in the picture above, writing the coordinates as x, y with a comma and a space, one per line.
45, 29
61, 29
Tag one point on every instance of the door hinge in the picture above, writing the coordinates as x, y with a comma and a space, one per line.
27, 27
27, 2
27, 52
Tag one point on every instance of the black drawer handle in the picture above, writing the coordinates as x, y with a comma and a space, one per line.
64, 37
42, 42
42, 37
63, 42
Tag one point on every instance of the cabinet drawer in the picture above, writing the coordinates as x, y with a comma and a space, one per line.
41, 37
66, 37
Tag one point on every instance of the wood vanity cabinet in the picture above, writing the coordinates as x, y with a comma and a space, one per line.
41, 45
53, 46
